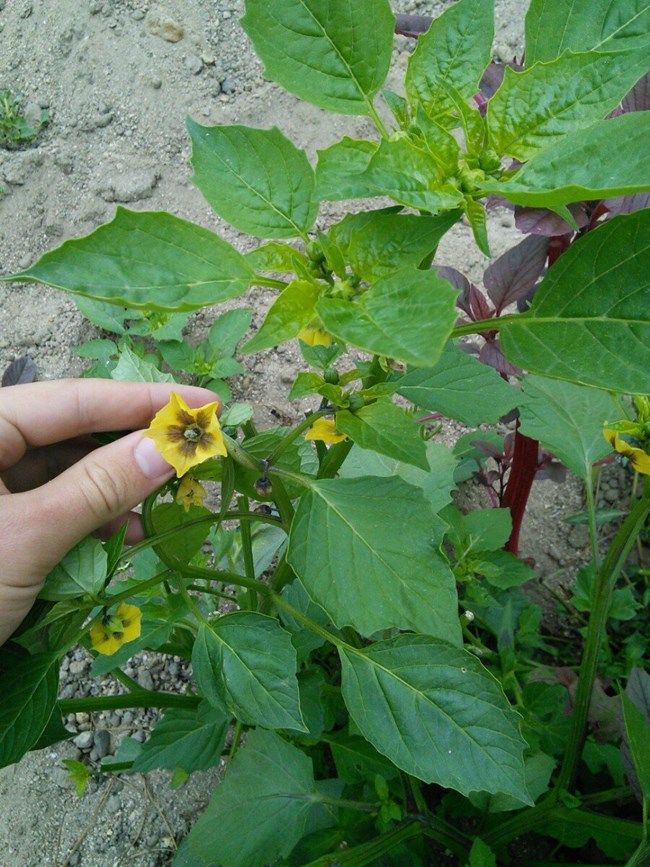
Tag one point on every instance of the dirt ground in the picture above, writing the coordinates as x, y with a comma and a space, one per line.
118, 78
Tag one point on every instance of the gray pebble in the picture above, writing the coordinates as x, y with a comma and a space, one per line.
113, 805
137, 14
95, 7
128, 186
78, 666
69, 689
140, 737
156, 83
93, 755
84, 741
102, 743
228, 86
193, 64
145, 679
127, 717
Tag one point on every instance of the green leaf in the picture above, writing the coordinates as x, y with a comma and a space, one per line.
454, 51
534, 107
568, 420
407, 315
584, 25
335, 54
275, 256
187, 738
480, 855
261, 809
460, 387
356, 760
29, 690
82, 570
183, 546
79, 774
486, 529
501, 569
385, 428
291, 311
132, 368
362, 548
475, 213
255, 179
145, 259
435, 712
609, 158
340, 170
247, 661
228, 329
410, 175
590, 318
377, 243
436, 483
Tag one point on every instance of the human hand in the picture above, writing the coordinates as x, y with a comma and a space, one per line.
56, 485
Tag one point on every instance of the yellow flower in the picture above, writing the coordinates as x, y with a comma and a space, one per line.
114, 630
639, 460
190, 493
186, 437
325, 429
314, 336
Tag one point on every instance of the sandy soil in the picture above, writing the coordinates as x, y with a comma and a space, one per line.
118, 89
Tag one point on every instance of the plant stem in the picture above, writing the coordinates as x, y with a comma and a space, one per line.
125, 680
343, 803
286, 441
522, 474
240, 456
182, 589
377, 120
143, 698
260, 280
606, 577
371, 851
334, 459
247, 546
134, 591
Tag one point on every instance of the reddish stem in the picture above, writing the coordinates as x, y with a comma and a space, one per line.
522, 473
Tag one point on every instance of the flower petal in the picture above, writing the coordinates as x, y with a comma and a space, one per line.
324, 429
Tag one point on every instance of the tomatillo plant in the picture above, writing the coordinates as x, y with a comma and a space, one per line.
392, 691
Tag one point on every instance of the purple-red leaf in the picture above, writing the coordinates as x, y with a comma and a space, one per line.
627, 204
492, 355
539, 221
412, 25
514, 274
19, 372
638, 99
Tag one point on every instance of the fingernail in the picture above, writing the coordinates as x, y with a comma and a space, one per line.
149, 459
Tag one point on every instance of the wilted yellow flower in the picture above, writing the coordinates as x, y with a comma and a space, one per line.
639, 460
314, 336
325, 429
186, 437
190, 493
114, 630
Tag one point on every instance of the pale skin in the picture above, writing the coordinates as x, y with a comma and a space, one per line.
57, 485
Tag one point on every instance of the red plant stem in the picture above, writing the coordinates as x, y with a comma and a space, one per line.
522, 473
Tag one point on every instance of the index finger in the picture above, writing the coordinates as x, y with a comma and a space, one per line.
42, 413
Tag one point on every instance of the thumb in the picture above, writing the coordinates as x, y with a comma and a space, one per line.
105, 484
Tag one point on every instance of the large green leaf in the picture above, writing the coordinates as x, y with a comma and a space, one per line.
247, 661
460, 387
82, 570
261, 809
435, 712
340, 170
590, 319
609, 158
29, 688
411, 176
436, 484
291, 311
145, 259
256, 179
534, 107
637, 729
363, 549
407, 315
332, 53
567, 419
454, 51
376, 243
553, 26
385, 428
187, 738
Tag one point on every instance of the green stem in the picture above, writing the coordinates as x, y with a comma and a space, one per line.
140, 588
280, 602
247, 546
182, 589
283, 502
222, 577
260, 280
234, 746
377, 120
484, 325
286, 441
343, 803
240, 456
144, 698
125, 680
371, 851
606, 577
334, 460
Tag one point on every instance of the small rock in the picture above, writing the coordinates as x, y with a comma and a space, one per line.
156, 83
113, 805
172, 32
95, 7
137, 14
82, 717
165, 28
102, 743
60, 778
193, 64
93, 755
145, 680
84, 741
20, 166
78, 666
140, 737
129, 186
127, 717
27, 11
69, 689
228, 86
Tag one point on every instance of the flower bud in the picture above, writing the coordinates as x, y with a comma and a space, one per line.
263, 487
